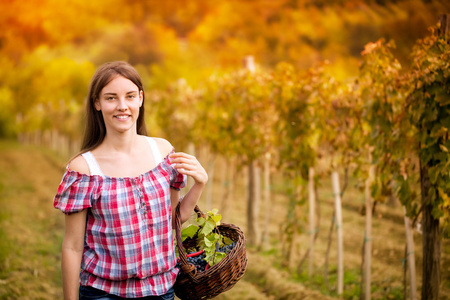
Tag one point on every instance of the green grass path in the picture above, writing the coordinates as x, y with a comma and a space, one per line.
31, 229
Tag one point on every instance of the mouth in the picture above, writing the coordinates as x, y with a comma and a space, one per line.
122, 117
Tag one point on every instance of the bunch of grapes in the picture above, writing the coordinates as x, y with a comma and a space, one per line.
195, 258
199, 262
226, 248
198, 258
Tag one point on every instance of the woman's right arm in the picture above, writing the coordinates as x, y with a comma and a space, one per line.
73, 243
72, 252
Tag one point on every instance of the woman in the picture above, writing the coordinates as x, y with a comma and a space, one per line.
119, 196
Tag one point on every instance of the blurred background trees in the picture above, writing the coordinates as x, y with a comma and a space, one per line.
49, 49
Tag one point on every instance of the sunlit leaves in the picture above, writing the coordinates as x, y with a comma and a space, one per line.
383, 98
296, 121
49, 93
409, 114
428, 107
237, 111
174, 110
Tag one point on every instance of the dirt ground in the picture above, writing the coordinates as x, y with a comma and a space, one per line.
31, 232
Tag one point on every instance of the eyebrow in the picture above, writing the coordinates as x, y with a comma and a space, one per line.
130, 92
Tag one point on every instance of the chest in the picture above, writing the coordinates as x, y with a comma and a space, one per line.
126, 166
128, 201
139, 159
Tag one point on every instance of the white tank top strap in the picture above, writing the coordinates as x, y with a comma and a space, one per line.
155, 150
94, 168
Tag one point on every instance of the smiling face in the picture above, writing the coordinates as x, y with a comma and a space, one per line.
119, 102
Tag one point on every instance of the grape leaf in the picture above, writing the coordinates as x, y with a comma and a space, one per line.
200, 221
216, 219
227, 241
219, 256
189, 231
209, 242
208, 227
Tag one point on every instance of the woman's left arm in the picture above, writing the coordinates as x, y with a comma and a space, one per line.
188, 165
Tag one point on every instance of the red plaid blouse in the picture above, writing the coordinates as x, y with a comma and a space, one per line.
128, 247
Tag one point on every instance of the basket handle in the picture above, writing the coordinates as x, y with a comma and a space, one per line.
188, 268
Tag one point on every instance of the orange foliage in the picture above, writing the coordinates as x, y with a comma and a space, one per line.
192, 39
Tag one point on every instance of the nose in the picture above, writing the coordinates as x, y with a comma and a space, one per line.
122, 104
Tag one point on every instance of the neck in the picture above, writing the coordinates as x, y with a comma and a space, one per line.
120, 142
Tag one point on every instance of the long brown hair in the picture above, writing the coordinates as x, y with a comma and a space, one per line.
95, 131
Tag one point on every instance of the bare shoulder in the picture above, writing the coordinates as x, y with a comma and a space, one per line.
165, 147
79, 164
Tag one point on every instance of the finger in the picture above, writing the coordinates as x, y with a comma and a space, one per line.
185, 160
187, 172
197, 176
190, 167
180, 154
183, 167
186, 163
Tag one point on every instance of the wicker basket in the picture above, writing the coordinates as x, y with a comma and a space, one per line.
218, 278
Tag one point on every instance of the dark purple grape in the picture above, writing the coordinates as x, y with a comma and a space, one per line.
199, 262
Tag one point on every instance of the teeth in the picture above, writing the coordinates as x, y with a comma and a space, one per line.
121, 117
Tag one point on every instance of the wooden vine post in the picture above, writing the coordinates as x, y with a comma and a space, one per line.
254, 184
410, 257
267, 202
312, 221
368, 234
340, 239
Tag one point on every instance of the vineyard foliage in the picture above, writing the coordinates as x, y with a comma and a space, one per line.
428, 109
315, 97
398, 118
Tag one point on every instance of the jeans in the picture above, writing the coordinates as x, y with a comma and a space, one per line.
89, 293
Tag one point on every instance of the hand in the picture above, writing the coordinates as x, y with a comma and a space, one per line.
189, 165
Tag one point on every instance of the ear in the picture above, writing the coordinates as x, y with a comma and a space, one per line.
97, 105
141, 98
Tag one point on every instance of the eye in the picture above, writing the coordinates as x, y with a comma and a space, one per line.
131, 96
